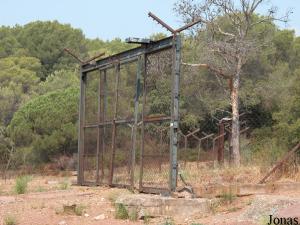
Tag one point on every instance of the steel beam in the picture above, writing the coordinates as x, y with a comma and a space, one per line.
174, 126
143, 127
99, 135
140, 66
114, 126
129, 55
103, 102
80, 169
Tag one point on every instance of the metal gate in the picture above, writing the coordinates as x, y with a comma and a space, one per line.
129, 118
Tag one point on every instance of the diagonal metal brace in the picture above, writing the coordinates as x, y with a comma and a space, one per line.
80, 60
154, 17
169, 28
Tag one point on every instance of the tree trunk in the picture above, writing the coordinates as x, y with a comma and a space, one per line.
235, 130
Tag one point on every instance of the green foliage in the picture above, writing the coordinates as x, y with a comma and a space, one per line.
10, 220
133, 215
227, 197
47, 124
59, 80
39, 94
22, 184
168, 222
79, 210
64, 185
8, 42
116, 45
121, 212
46, 41
40, 189
18, 76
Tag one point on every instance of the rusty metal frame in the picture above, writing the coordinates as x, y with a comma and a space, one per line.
137, 55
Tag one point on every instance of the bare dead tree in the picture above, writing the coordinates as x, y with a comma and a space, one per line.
228, 42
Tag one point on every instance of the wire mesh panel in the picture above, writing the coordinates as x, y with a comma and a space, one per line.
125, 118
158, 84
126, 90
157, 95
105, 144
156, 155
122, 159
91, 133
122, 163
90, 155
109, 93
91, 98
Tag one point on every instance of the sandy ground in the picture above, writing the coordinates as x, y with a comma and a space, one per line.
44, 202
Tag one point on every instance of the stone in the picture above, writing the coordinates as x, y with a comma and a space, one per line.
62, 222
86, 215
156, 206
7, 199
100, 217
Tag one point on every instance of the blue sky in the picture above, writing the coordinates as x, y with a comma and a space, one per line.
107, 19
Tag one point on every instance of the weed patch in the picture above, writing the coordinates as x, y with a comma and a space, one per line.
22, 184
10, 220
121, 212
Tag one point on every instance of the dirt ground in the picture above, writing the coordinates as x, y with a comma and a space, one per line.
44, 201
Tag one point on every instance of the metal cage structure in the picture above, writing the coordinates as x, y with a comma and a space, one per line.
124, 140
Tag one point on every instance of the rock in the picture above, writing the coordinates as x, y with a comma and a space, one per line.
69, 209
156, 206
7, 199
86, 215
264, 205
100, 217
62, 222
51, 182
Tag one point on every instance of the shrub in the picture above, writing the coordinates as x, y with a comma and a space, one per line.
79, 210
169, 222
10, 220
121, 212
64, 185
133, 215
228, 197
22, 184
51, 136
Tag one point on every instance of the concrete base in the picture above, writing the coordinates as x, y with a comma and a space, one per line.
154, 206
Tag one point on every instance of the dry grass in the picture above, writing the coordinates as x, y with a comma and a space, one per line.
206, 173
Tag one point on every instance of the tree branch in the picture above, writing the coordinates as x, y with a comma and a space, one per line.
218, 71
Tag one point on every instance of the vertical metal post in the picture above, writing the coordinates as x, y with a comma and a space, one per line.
199, 150
99, 135
101, 115
140, 66
144, 75
103, 112
175, 112
221, 142
160, 149
185, 148
114, 128
80, 168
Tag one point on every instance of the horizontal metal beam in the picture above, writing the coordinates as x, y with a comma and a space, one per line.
125, 121
129, 55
